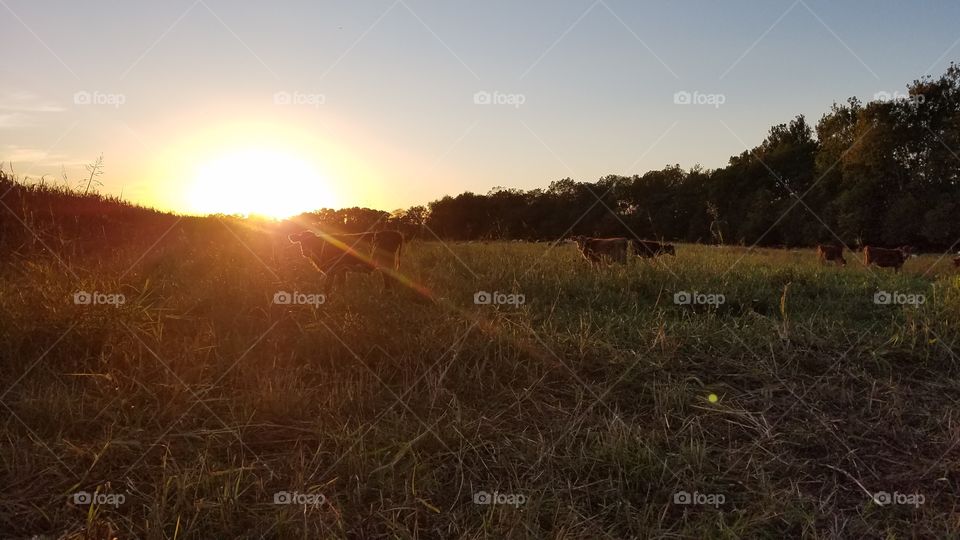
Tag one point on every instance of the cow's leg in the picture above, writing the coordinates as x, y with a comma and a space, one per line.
388, 279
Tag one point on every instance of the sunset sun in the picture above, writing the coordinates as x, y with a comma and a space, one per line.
258, 181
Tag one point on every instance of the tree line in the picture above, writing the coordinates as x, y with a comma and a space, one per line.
883, 172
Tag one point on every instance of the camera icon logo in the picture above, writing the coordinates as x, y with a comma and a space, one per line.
282, 298
282, 497
282, 98
682, 298
82, 98
482, 98
682, 98
482, 298
882, 498
682, 497
482, 497
882, 297
82, 298
82, 498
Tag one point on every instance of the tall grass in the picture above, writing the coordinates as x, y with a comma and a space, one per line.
199, 399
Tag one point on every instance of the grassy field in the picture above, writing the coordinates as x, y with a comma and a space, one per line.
198, 407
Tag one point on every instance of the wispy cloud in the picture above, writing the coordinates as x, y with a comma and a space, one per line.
26, 102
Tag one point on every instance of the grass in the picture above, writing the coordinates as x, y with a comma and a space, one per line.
198, 399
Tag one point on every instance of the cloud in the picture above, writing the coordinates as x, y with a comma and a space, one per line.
12, 153
25, 102
14, 120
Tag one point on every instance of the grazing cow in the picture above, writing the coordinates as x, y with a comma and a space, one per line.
886, 258
597, 250
831, 253
648, 249
336, 254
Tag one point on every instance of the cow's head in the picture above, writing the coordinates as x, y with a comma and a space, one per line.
579, 240
313, 248
907, 251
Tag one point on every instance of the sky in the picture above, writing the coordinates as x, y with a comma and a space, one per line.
229, 105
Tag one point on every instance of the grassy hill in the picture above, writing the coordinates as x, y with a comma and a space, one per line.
197, 407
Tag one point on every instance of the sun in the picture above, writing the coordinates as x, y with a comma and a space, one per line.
258, 181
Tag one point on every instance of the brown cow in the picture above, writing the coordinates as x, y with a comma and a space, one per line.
831, 253
886, 258
336, 254
597, 250
648, 249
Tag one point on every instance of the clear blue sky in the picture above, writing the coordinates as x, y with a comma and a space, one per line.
398, 124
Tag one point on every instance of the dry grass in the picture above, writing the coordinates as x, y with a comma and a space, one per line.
198, 399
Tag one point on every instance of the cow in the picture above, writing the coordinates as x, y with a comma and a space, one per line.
648, 249
597, 250
336, 254
831, 253
886, 258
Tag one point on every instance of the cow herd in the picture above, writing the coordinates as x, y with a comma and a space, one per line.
602, 250
333, 255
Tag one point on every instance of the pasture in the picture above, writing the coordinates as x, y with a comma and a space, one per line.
586, 411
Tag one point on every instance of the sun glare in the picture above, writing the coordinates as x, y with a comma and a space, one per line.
258, 181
